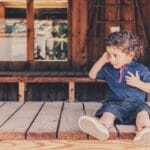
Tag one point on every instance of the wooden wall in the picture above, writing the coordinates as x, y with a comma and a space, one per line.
89, 24
127, 14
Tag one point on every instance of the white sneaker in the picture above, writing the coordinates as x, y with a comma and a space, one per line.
93, 127
143, 137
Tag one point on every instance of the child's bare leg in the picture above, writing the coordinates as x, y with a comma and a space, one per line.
142, 120
107, 119
143, 128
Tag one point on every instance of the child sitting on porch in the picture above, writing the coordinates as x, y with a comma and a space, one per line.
128, 83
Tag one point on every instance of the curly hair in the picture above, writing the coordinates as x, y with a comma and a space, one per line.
126, 41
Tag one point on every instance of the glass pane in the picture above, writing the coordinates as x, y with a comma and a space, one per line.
51, 24
13, 30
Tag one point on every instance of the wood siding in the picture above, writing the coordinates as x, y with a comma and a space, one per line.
89, 23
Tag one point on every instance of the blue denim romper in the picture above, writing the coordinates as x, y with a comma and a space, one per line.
123, 100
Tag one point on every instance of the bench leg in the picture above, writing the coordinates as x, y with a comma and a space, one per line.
21, 90
71, 91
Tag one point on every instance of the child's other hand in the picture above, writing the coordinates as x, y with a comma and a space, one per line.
133, 80
105, 57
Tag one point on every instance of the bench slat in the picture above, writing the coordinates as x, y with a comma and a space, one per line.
48, 79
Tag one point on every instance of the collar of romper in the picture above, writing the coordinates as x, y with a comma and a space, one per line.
121, 73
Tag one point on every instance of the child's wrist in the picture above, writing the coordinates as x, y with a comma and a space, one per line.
103, 61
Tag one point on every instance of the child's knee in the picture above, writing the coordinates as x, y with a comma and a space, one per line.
107, 119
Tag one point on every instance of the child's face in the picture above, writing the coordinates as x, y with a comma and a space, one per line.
118, 58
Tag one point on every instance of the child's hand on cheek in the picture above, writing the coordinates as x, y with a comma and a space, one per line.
106, 57
133, 80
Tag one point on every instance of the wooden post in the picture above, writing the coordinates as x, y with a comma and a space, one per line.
79, 30
30, 31
83, 32
2, 16
21, 91
71, 91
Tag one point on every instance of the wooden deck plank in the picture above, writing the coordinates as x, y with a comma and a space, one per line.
90, 109
45, 125
69, 129
17, 125
7, 110
1, 104
126, 131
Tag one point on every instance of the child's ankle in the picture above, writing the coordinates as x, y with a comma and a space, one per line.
108, 126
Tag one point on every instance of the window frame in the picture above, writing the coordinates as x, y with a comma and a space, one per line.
30, 33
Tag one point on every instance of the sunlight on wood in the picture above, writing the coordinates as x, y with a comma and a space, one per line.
70, 145
37, 4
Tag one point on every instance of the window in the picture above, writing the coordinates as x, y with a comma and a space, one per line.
50, 30
50, 26
13, 31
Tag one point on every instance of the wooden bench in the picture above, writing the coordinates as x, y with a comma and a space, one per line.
22, 78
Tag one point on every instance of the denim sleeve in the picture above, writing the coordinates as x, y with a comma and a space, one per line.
101, 73
145, 74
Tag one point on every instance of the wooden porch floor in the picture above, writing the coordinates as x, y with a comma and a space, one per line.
69, 145
53, 121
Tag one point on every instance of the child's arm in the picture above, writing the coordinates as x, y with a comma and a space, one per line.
134, 80
98, 65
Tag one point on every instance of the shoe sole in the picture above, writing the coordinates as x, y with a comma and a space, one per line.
93, 127
143, 139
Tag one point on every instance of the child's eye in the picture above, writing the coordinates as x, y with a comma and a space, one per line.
116, 56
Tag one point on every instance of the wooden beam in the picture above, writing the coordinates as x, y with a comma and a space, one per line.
37, 4
2, 16
30, 31
83, 32
50, 79
42, 4
79, 30
69, 16
76, 34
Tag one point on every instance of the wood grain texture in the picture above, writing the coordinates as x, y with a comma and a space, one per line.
17, 125
69, 128
46, 124
45, 121
7, 110
70, 145
126, 131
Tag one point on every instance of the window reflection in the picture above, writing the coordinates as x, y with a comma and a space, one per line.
51, 26
12, 33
